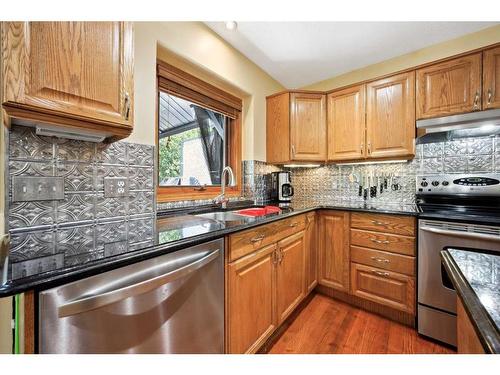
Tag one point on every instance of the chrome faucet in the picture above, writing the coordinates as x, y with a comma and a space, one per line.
221, 198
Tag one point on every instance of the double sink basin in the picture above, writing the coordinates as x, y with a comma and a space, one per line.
238, 215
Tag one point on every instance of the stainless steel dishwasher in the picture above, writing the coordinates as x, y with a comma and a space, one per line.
173, 303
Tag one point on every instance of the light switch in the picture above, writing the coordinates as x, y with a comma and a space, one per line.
115, 187
27, 189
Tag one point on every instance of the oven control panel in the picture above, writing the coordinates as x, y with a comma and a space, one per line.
452, 184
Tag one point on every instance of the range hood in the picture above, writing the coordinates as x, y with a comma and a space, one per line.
474, 124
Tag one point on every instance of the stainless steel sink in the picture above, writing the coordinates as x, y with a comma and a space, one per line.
222, 216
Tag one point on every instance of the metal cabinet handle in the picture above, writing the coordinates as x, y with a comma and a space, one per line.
476, 100
275, 257
92, 302
380, 260
490, 95
280, 255
369, 147
361, 148
293, 225
257, 239
379, 241
293, 150
379, 223
201, 187
126, 105
385, 274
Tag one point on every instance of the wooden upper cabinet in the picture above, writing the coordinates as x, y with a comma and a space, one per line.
308, 127
334, 260
491, 78
278, 128
76, 74
390, 116
346, 124
290, 275
449, 87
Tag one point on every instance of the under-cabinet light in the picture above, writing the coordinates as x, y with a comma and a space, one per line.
302, 165
373, 162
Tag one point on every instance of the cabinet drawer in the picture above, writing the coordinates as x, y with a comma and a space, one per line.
387, 288
394, 224
247, 241
382, 241
381, 259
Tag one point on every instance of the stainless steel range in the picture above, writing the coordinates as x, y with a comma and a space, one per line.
456, 211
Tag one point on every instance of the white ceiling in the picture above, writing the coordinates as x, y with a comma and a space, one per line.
300, 53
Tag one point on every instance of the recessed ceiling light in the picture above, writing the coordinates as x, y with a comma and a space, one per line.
231, 25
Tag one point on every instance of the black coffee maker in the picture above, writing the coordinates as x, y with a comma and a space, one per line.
282, 189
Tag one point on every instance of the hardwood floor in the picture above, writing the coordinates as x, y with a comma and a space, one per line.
329, 326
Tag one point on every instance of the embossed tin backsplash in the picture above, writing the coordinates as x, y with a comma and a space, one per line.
86, 223
331, 182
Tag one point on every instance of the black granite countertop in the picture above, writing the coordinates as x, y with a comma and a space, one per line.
476, 278
173, 230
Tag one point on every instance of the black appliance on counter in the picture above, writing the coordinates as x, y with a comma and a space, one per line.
282, 189
455, 211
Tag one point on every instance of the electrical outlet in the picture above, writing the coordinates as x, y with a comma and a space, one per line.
37, 265
27, 189
115, 187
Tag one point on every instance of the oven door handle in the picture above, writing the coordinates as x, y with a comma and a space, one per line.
93, 302
474, 236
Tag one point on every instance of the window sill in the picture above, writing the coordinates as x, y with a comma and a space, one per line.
170, 194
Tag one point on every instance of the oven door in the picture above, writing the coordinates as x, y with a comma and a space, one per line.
434, 288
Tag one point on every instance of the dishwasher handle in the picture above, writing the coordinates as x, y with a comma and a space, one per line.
93, 302
454, 233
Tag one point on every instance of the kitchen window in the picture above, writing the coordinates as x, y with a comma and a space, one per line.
198, 134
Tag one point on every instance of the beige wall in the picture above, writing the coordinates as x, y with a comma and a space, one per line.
197, 49
465, 43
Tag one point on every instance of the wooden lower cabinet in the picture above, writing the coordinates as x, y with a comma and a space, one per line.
290, 275
334, 250
251, 294
264, 287
467, 340
387, 288
311, 243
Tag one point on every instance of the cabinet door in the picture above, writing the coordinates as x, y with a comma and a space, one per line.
311, 241
278, 128
390, 116
450, 87
334, 250
384, 287
290, 275
346, 124
308, 127
491, 78
82, 70
250, 300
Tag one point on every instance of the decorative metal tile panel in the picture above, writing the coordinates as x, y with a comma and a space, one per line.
76, 240
142, 155
111, 153
110, 207
77, 177
141, 178
76, 207
29, 245
25, 144
74, 150
73, 226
